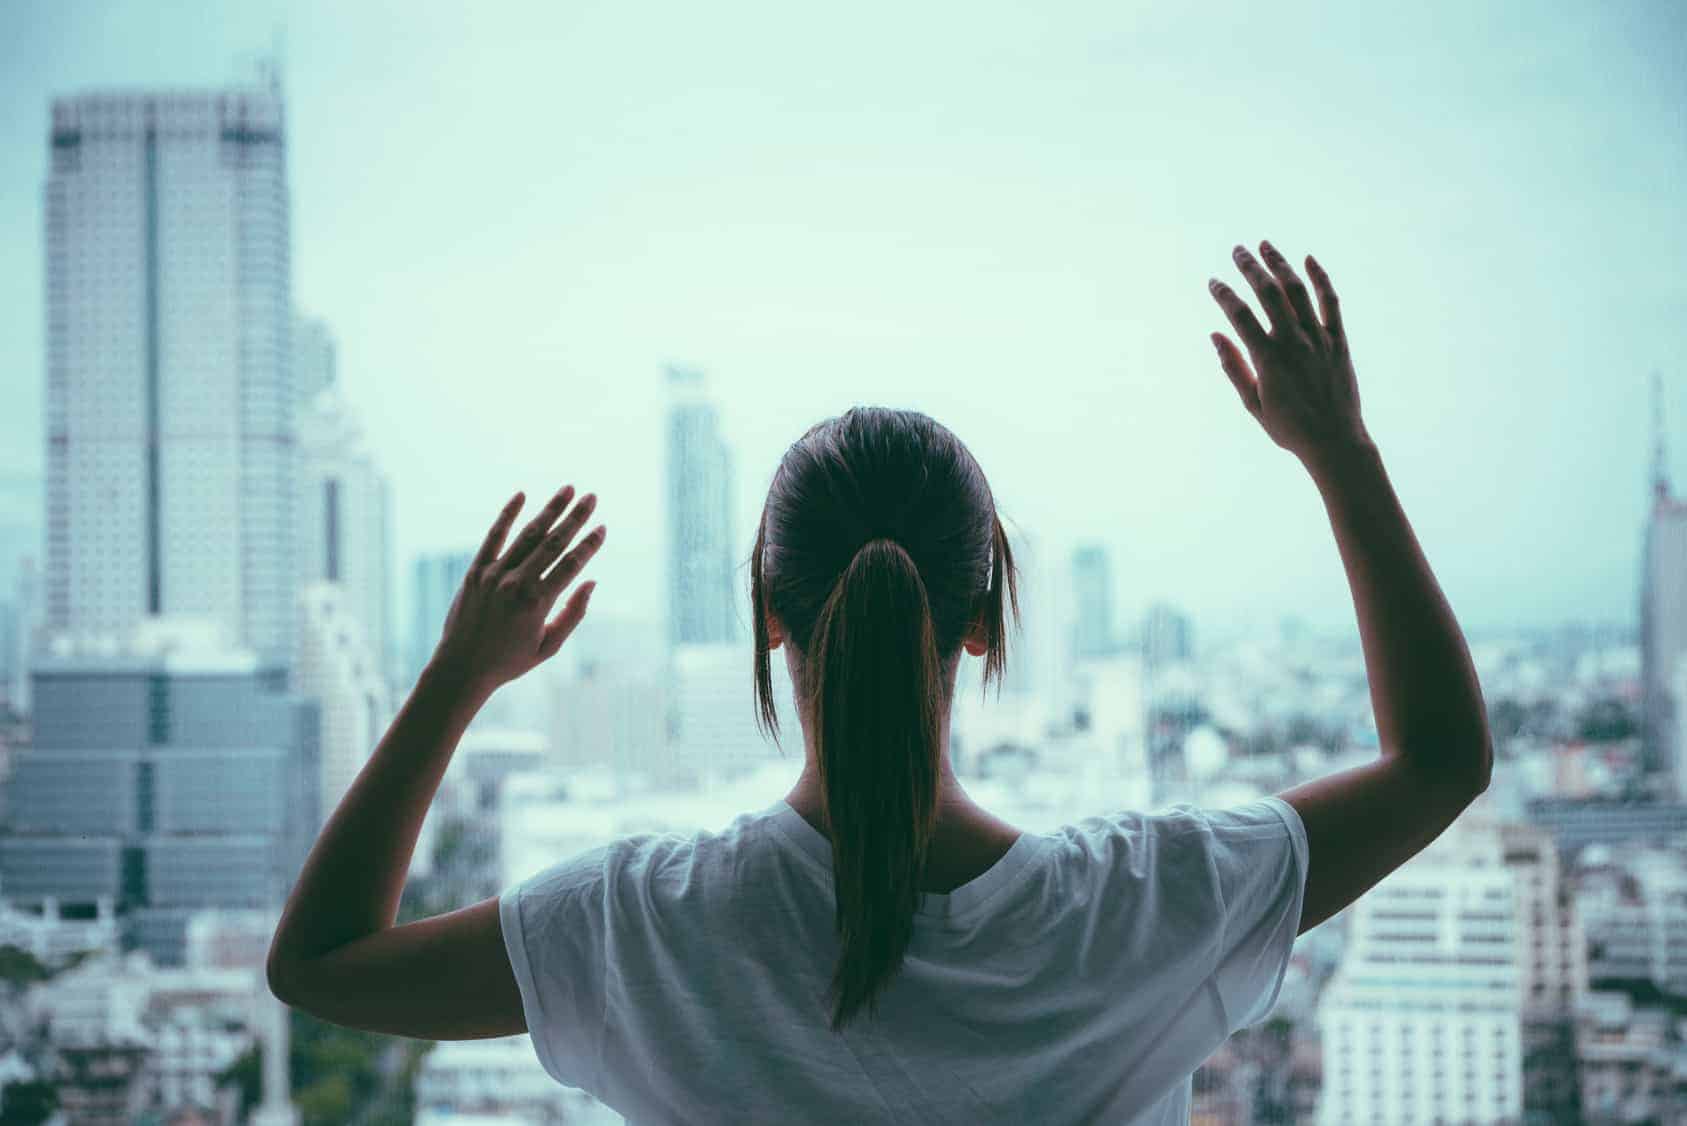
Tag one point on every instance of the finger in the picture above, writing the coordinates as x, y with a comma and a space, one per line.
500, 528
1241, 317
558, 629
536, 528
1299, 300
1270, 293
1236, 367
1327, 299
560, 537
570, 566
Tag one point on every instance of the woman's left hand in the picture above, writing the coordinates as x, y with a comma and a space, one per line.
499, 626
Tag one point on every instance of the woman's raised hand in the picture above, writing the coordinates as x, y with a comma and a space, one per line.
499, 626
1300, 385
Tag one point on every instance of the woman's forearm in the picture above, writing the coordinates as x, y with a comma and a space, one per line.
354, 876
1424, 690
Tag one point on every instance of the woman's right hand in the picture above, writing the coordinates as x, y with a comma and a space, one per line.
1300, 386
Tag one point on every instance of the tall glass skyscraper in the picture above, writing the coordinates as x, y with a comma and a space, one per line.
1092, 600
437, 579
169, 409
1663, 609
701, 606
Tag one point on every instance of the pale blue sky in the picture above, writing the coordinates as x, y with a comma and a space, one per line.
1004, 215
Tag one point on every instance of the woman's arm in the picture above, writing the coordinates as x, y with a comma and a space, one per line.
335, 952
1298, 382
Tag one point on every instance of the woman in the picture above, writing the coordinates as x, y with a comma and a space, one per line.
876, 947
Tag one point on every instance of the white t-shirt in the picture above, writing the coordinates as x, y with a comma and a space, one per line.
1083, 978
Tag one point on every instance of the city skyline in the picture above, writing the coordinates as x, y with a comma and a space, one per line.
1476, 419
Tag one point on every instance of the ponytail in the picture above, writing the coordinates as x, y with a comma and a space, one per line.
873, 681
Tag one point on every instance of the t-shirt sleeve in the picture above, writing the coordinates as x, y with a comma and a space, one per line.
1259, 855
553, 925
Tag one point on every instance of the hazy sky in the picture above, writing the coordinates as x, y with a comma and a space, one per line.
1004, 215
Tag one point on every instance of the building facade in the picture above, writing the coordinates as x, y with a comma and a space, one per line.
434, 584
159, 783
1093, 629
344, 533
169, 409
1421, 1022
702, 605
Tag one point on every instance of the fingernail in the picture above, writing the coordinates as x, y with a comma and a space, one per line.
586, 591
1217, 345
1212, 284
1266, 247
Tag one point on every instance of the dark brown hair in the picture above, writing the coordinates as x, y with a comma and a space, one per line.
878, 548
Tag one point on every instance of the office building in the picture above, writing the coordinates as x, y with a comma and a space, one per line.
335, 667
1093, 629
169, 407
1663, 608
1421, 1021
164, 777
344, 512
435, 582
702, 596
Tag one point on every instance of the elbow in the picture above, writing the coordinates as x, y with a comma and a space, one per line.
280, 980
282, 973
1484, 770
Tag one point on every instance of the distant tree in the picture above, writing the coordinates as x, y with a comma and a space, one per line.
27, 1104
19, 967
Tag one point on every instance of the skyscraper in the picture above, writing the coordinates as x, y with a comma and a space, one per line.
701, 602
437, 579
1092, 599
1663, 606
169, 410
344, 513
316, 360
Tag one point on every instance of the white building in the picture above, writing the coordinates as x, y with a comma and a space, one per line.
333, 665
613, 717
469, 1082
344, 531
1631, 1065
714, 709
1421, 1022
1633, 906
169, 410
191, 1023
51, 937
1552, 947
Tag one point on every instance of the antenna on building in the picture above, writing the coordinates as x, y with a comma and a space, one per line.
1660, 449
277, 57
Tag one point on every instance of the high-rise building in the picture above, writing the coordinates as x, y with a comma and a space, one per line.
165, 777
169, 406
1422, 1022
715, 737
25, 633
334, 666
344, 512
1663, 608
1168, 636
316, 363
1553, 959
702, 606
436, 580
1092, 603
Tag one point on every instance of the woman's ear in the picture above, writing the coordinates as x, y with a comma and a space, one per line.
976, 641
775, 635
